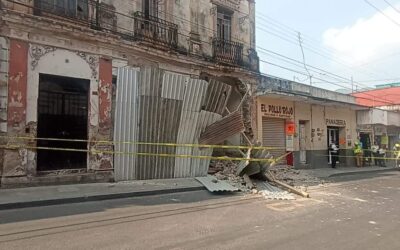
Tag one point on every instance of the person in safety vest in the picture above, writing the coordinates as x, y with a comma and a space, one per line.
358, 153
396, 152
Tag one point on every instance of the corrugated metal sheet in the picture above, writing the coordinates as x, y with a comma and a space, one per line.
273, 130
151, 81
174, 86
186, 135
199, 167
126, 123
217, 97
193, 99
221, 130
158, 107
214, 185
149, 116
194, 96
167, 133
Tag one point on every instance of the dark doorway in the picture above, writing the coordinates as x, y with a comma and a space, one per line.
63, 114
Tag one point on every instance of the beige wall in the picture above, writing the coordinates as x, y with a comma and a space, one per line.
316, 126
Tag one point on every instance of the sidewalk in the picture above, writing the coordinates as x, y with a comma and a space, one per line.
53, 195
331, 172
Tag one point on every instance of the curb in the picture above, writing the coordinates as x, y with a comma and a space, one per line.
99, 197
363, 172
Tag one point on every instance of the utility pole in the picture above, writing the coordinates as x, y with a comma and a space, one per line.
352, 85
304, 57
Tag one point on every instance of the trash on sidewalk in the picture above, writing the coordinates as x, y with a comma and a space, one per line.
214, 185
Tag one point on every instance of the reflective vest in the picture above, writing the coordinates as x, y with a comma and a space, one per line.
357, 149
396, 151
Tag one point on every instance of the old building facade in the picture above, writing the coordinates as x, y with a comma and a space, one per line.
303, 121
380, 124
58, 73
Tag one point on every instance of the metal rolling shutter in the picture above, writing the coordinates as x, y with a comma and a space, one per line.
274, 136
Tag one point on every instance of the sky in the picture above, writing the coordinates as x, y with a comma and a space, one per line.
344, 38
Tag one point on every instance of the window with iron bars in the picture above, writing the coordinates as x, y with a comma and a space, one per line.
69, 8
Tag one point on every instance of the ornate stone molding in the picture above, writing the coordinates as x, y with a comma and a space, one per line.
231, 4
91, 61
38, 51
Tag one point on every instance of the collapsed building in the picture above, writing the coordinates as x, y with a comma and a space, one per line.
92, 72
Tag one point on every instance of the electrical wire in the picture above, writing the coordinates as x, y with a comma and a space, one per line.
383, 13
391, 5
207, 42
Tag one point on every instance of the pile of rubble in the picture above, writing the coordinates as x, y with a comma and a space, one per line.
226, 171
296, 178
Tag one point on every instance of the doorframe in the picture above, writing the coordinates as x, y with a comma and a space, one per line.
88, 119
303, 123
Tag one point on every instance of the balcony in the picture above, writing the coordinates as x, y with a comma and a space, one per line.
227, 52
155, 30
77, 11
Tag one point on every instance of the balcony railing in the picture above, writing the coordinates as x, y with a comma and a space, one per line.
78, 11
154, 29
228, 52
100, 16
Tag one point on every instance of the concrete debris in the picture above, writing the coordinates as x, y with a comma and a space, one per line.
296, 178
281, 195
269, 191
226, 171
214, 185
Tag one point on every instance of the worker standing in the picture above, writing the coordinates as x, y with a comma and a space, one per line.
396, 152
374, 150
382, 157
334, 151
358, 153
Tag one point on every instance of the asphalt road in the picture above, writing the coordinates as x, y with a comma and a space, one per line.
356, 213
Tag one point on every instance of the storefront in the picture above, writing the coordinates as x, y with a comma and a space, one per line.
313, 117
307, 130
383, 126
276, 127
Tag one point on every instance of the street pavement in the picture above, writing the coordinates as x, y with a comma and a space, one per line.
354, 212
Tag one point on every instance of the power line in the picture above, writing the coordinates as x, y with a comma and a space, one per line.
391, 5
333, 83
383, 13
325, 53
212, 31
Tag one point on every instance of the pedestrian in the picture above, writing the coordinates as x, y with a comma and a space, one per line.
396, 153
358, 153
334, 151
374, 150
382, 156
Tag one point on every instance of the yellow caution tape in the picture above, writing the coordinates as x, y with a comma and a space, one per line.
353, 156
142, 143
221, 158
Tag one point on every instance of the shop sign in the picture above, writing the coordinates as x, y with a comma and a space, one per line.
290, 128
279, 111
336, 122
